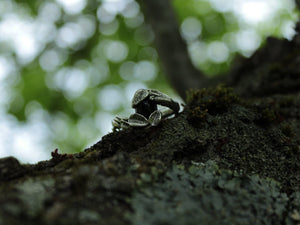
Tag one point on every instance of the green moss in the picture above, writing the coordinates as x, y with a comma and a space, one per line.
215, 100
268, 116
287, 101
287, 130
212, 100
197, 114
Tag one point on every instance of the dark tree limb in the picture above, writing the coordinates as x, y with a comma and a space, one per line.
171, 48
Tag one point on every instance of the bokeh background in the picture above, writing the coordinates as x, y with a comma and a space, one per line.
67, 67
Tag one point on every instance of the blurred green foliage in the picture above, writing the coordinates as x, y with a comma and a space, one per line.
79, 63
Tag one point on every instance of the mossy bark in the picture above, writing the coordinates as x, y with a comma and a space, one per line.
227, 158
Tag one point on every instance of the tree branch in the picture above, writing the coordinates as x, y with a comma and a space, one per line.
171, 48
